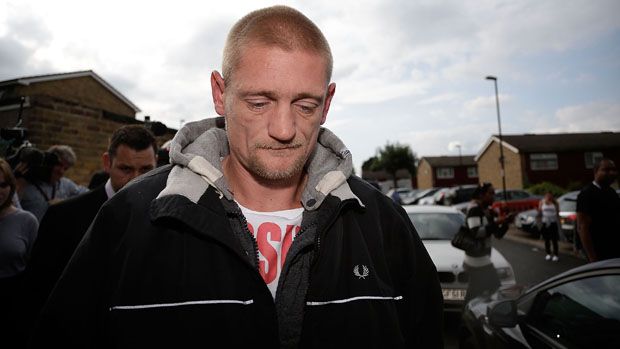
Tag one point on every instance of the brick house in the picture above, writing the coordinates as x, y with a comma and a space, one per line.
79, 109
446, 171
565, 159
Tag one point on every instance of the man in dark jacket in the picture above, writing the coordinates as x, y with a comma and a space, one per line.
131, 152
598, 214
257, 235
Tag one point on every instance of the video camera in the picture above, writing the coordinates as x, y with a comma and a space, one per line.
16, 149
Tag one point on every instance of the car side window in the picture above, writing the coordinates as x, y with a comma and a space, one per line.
584, 313
518, 195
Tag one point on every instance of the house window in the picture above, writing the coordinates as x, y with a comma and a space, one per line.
472, 172
544, 161
592, 158
445, 172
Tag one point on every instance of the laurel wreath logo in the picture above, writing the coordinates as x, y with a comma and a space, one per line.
365, 272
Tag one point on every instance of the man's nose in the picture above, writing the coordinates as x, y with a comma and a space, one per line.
282, 124
134, 174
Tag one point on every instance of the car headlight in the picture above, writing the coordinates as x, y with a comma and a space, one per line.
505, 273
529, 219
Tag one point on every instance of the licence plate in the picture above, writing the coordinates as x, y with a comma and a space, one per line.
453, 294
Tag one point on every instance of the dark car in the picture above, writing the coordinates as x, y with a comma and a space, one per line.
579, 308
459, 194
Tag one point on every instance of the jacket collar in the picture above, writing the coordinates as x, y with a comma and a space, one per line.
206, 218
198, 148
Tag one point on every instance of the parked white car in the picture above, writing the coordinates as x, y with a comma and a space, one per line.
436, 225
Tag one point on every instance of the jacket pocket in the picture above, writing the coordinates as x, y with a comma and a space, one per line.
187, 324
366, 321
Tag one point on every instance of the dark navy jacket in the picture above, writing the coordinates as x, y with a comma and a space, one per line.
168, 272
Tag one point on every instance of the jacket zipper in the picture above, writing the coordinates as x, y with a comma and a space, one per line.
244, 222
331, 221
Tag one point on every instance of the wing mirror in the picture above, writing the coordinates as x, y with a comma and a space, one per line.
503, 313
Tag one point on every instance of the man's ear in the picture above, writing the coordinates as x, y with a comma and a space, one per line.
331, 89
106, 161
218, 87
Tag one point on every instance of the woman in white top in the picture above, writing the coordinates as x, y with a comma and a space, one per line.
548, 213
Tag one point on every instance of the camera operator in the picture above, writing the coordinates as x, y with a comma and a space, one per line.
44, 184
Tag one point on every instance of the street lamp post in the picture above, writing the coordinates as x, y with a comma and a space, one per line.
460, 156
501, 147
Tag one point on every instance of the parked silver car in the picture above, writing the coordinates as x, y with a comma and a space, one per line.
568, 214
436, 226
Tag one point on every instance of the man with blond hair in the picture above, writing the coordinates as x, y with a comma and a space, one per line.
258, 234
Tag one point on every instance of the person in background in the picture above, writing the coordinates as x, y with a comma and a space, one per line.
38, 192
258, 234
97, 179
396, 197
483, 223
598, 214
131, 153
549, 216
18, 231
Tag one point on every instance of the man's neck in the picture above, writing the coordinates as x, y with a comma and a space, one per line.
263, 195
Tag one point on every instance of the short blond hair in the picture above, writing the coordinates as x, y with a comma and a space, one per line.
279, 26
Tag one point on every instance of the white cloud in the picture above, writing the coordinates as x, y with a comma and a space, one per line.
442, 141
454, 145
483, 103
595, 116
408, 71
440, 99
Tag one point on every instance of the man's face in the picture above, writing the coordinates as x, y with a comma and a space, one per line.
606, 173
274, 104
489, 196
58, 171
128, 164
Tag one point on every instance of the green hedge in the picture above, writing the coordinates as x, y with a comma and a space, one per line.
544, 187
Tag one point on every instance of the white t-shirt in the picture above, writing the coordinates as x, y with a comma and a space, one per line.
549, 213
274, 233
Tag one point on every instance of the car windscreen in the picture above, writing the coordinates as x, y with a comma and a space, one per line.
436, 226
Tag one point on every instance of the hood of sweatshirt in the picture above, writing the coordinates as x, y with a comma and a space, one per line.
197, 151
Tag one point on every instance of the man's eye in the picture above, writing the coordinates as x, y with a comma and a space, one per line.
306, 109
258, 105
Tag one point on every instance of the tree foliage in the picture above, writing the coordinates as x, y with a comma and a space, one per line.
372, 164
546, 187
391, 158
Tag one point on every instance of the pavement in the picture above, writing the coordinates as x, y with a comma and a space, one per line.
518, 235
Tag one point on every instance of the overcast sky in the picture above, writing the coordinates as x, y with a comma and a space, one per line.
406, 71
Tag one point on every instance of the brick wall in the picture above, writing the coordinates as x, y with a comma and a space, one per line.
571, 168
86, 129
460, 178
82, 90
425, 175
489, 168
